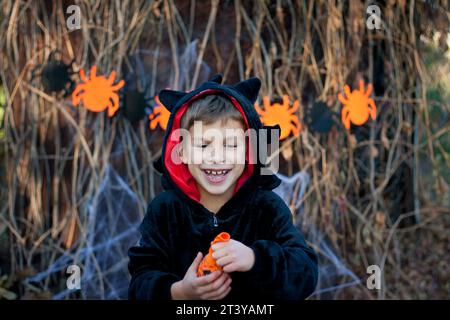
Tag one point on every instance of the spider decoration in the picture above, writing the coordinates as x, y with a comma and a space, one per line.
135, 100
98, 92
282, 114
55, 75
357, 105
160, 115
135, 105
319, 117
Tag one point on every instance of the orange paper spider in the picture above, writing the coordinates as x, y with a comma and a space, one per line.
159, 116
281, 114
357, 105
97, 92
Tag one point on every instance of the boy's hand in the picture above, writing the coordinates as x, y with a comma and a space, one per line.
213, 286
233, 256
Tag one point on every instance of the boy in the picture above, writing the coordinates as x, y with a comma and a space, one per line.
212, 184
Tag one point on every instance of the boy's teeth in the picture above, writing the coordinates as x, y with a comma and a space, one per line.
215, 172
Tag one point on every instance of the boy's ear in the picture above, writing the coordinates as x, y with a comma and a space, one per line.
217, 78
249, 88
179, 152
169, 98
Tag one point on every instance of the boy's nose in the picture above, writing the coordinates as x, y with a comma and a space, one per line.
217, 155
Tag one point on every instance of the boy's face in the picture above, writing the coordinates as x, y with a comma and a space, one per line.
215, 155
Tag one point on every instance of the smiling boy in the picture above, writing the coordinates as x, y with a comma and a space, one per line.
213, 184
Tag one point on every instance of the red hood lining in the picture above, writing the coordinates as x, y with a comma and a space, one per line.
179, 172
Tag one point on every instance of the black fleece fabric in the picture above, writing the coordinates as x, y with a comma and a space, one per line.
176, 226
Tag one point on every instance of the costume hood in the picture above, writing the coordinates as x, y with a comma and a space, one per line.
243, 96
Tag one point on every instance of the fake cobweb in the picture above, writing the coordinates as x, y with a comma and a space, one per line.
333, 272
114, 214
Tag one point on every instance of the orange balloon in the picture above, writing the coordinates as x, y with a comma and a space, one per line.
208, 264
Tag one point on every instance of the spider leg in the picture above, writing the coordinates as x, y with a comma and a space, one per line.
342, 99
373, 109
285, 100
119, 85
296, 127
157, 100
347, 91
361, 86
76, 98
111, 77
113, 105
69, 88
153, 122
266, 102
345, 117
294, 106
83, 76
369, 90
93, 73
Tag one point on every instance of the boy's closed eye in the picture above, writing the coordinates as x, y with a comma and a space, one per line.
232, 145
226, 145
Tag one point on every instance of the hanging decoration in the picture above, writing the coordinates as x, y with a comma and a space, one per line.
135, 105
136, 101
319, 117
357, 105
281, 114
159, 116
98, 92
55, 75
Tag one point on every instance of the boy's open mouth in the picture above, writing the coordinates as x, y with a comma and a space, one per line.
215, 176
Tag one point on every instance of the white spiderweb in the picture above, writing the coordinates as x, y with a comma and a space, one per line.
333, 273
114, 214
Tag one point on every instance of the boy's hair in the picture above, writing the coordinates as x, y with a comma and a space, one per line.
209, 109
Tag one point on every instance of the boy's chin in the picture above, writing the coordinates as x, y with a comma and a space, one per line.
216, 190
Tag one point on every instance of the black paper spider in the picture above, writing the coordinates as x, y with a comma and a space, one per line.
319, 117
55, 75
136, 102
135, 105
